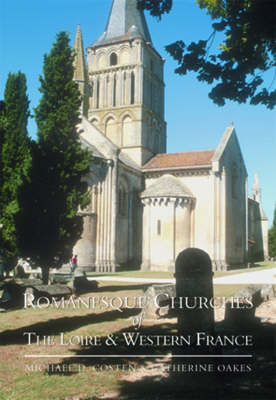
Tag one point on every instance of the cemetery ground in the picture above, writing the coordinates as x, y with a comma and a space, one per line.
76, 378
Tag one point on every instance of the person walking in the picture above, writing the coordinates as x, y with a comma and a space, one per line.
74, 263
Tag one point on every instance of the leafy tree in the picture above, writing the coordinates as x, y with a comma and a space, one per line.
272, 237
56, 189
15, 161
249, 49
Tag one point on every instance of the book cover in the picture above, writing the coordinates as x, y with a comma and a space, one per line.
172, 292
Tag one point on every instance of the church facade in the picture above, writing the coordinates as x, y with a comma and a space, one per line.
147, 205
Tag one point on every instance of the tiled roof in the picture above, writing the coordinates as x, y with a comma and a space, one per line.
167, 185
175, 160
125, 20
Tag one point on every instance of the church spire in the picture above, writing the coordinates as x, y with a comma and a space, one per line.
257, 195
256, 190
80, 72
125, 21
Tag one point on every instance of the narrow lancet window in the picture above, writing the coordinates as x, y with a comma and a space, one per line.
132, 90
113, 59
158, 227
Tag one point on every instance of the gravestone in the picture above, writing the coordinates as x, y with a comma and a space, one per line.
195, 315
158, 301
54, 279
239, 313
14, 290
19, 272
49, 291
194, 288
80, 283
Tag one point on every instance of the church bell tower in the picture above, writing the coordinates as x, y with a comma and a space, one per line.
125, 74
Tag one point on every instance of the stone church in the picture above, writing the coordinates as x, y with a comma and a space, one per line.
147, 205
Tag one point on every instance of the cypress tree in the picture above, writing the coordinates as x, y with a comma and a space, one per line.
56, 190
2, 131
15, 161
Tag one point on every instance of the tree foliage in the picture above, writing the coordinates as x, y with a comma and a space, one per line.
56, 189
236, 70
272, 237
15, 160
2, 132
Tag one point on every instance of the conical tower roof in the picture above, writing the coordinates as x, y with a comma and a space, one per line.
166, 186
80, 73
125, 21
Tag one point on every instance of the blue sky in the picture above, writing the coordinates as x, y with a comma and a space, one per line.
28, 29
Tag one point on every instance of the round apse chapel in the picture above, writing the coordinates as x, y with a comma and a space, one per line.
167, 205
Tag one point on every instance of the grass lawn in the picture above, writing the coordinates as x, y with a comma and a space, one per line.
60, 378
167, 275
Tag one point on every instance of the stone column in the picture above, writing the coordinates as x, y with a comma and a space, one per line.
183, 224
99, 227
214, 216
146, 234
110, 179
112, 82
105, 224
95, 91
104, 92
114, 210
128, 87
136, 92
120, 88
101, 91
141, 84
222, 235
173, 204
130, 224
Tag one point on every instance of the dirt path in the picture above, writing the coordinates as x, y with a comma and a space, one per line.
255, 277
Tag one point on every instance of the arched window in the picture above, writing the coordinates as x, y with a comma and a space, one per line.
127, 131
132, 87
113, 59
94, 121
110, 129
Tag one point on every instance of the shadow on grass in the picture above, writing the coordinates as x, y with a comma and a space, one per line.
249, 268
64, 324
157, 378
